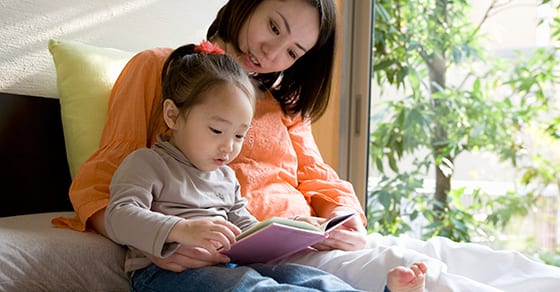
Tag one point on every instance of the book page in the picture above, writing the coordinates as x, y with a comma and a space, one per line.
277, 220
335, 222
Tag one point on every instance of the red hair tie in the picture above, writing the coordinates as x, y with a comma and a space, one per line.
207, 47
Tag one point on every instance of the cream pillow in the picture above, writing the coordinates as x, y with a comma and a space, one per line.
35, 256
85, 75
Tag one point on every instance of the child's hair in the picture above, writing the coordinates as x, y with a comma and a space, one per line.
189, 72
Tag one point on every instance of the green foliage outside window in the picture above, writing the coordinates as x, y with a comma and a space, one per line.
417, 43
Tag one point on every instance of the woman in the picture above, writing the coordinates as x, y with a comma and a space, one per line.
289, 36
280, 169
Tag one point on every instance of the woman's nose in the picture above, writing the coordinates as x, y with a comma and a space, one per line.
271, 51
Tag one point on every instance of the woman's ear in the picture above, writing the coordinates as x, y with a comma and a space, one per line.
170, 113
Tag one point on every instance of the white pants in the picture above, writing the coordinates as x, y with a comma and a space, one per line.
451, 266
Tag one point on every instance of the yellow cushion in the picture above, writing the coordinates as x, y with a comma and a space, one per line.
85, 75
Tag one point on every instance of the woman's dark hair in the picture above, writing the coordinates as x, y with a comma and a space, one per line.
305, 86
187, 74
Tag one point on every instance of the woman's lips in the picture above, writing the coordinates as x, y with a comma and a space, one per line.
252, 62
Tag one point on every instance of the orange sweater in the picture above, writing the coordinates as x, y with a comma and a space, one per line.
280, 169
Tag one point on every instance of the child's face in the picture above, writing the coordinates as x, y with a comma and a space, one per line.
211, 133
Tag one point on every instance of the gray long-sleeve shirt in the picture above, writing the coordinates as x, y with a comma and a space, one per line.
154, 188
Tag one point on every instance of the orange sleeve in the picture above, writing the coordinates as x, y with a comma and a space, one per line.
317, 181
130, 108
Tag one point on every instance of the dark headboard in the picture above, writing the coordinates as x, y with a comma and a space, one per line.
34, 171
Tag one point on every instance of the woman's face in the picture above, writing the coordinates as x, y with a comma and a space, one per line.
277, 34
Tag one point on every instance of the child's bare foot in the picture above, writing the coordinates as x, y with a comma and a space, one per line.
403, 279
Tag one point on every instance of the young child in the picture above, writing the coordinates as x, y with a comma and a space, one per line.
181, 192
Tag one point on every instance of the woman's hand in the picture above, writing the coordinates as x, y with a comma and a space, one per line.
186, 257
349, 236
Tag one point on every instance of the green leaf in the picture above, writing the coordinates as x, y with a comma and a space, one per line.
385, 200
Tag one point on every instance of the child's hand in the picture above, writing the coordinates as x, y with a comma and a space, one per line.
208, 233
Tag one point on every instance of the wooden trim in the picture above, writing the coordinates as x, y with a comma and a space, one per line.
329, 124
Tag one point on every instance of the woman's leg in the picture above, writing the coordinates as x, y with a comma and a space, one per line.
367, 269
451, 266
303, 276
506, 270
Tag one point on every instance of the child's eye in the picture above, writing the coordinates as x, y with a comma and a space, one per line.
240, 136
215, 131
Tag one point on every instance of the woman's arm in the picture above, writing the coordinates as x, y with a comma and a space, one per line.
317, 181
327, 193
97, 222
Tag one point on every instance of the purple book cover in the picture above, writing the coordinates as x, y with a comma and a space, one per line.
276, 240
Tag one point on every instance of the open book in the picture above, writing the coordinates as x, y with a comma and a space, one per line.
279, 237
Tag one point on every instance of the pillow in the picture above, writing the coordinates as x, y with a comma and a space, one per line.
35, 256
85, 75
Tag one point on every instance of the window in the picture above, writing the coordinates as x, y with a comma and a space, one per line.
358, 91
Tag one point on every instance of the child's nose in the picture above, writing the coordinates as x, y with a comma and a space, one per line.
227, 146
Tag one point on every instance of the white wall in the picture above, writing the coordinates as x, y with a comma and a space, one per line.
26, 26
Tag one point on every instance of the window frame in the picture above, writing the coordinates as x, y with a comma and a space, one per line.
355, 89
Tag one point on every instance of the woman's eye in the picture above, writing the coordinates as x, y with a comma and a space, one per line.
292, 54
240, 136
274, 28
215, 131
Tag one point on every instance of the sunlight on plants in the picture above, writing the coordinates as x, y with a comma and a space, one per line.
443, 94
